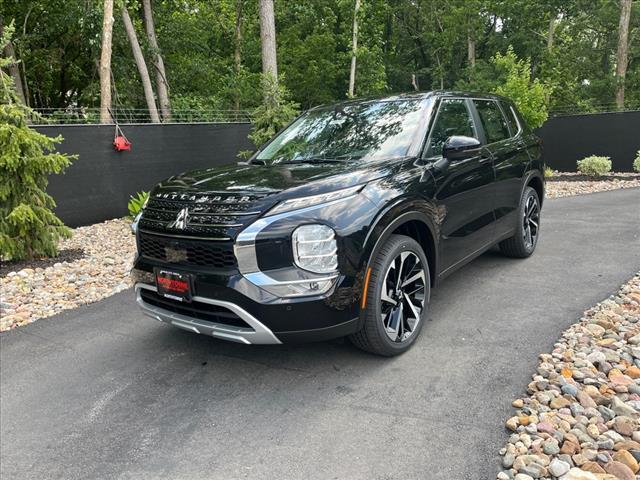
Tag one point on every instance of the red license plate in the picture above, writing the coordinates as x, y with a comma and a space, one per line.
174, 285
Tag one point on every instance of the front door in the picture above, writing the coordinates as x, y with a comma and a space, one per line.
464, 188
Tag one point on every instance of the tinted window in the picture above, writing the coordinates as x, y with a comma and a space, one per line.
495, 126
453, 119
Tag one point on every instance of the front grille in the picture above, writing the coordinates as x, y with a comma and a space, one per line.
212, 254
214, 214
199, 310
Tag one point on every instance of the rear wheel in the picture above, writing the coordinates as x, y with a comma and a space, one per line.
524, 242
397, 299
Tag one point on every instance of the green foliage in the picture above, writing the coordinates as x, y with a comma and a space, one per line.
548, 172
275, 113
507, 75
594, 166
28, 227
528, 94
636, 163
136, 202
401, 43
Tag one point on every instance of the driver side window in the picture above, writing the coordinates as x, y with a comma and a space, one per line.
453, 119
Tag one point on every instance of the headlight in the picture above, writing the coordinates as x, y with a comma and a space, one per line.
136, 220
134, 224
303, 202
315, 248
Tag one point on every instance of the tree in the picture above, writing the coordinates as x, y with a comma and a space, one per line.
13, 67
162, 84
237, 50
354, 50
28, 227
268, 39
142, 65
622, 54
275, 113
105, 62
530, 95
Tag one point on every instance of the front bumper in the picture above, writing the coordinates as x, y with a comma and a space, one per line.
256, 333
255, 321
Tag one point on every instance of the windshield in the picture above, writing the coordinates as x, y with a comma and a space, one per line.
361, 131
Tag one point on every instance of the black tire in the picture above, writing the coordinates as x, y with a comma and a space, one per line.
373, 336
522, 245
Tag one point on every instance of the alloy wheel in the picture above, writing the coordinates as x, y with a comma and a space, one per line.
403, 296
531, 221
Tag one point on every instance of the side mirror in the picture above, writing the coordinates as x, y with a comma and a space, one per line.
459, 147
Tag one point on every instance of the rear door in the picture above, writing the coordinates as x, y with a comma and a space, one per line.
463, 187
510, 160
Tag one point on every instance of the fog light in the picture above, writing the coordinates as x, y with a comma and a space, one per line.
315, 248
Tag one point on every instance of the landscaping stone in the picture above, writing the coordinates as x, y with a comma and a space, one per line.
581, 420
33, 293
564, 184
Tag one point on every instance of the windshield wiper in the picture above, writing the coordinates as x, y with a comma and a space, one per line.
311, 160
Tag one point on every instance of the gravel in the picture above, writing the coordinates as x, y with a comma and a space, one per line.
44, 289
567, 184
581, 419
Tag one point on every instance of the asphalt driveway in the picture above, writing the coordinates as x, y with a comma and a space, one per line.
103, 392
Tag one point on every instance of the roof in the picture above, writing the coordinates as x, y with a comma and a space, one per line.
414, 96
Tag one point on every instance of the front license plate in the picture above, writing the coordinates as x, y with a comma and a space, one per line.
174, 285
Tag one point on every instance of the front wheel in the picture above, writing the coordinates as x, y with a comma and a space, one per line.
524, 242
397, 298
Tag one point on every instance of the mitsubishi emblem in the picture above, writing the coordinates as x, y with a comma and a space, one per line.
181, 221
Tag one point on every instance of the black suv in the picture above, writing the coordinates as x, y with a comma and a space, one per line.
343, 222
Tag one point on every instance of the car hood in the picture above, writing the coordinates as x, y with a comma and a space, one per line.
290, 179
219, 202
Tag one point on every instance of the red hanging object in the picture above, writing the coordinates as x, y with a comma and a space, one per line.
120, 143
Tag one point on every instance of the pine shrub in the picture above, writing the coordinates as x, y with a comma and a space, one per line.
28, 226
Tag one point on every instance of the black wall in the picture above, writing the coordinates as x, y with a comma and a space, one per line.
569, 139
98, 184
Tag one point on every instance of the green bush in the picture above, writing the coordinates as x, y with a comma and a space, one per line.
636, 163
28, 226
594, 165
275, 112
548, 172
136, 203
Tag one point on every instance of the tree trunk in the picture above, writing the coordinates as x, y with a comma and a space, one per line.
268, 39
105, 63
471, 50
622, 56
142, 66
354, 51
550, 33
237, 53
14, 68
162, 84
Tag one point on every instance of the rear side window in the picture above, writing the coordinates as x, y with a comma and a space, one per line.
453, 119
494, 123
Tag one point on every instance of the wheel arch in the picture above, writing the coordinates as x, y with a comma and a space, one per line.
404, 219
535, 180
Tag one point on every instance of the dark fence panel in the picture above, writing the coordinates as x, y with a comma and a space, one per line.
97, 185
569, 139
